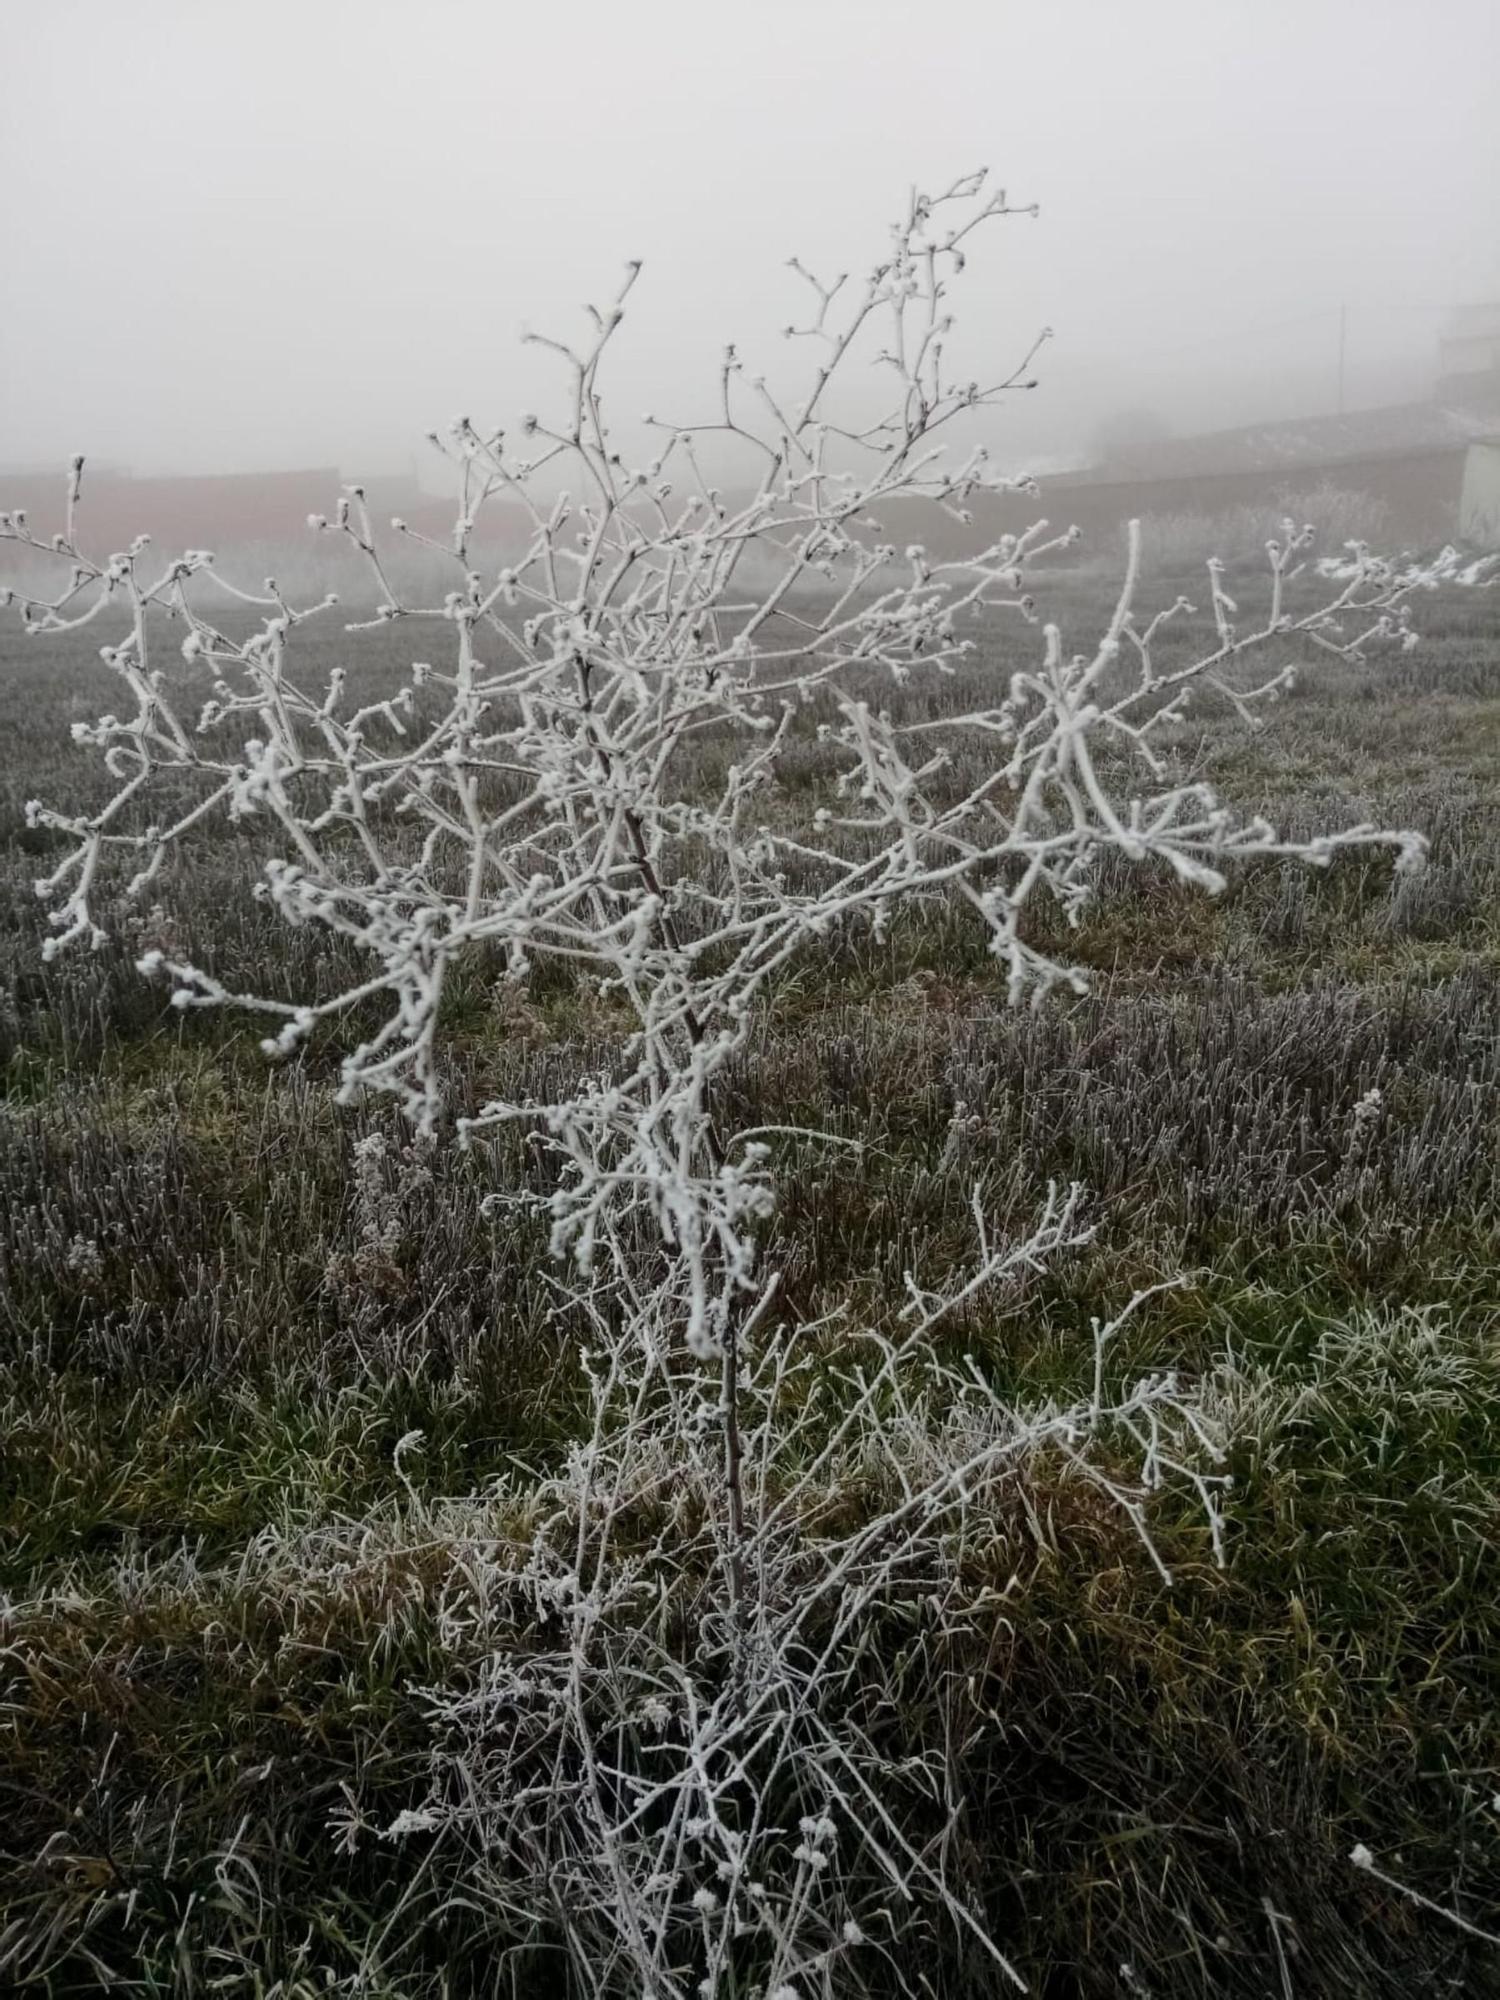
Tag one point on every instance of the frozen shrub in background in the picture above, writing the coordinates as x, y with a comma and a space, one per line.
1334, 515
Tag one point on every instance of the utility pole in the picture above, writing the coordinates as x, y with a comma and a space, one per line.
1343, 339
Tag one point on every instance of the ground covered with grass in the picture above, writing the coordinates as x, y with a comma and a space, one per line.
228, 1572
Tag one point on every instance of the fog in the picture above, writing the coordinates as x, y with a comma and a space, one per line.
278, 235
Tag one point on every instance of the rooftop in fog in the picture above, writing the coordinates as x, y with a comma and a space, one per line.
1396, 431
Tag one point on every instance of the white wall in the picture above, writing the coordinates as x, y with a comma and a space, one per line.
1479, 502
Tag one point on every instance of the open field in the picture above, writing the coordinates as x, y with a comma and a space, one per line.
224, 1590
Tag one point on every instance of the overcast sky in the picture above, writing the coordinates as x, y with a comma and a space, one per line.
258, 235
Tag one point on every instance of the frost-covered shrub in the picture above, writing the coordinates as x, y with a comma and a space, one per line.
534, 798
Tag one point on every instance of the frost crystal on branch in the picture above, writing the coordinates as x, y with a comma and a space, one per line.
593, 764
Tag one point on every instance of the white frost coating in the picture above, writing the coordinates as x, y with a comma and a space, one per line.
538, 795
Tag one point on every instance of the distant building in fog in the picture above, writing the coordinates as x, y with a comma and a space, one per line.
1426, 465
1432, 468
227, 512
220, 511
1479, 503
1468, 351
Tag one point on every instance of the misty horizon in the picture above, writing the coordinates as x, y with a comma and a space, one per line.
262, 242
